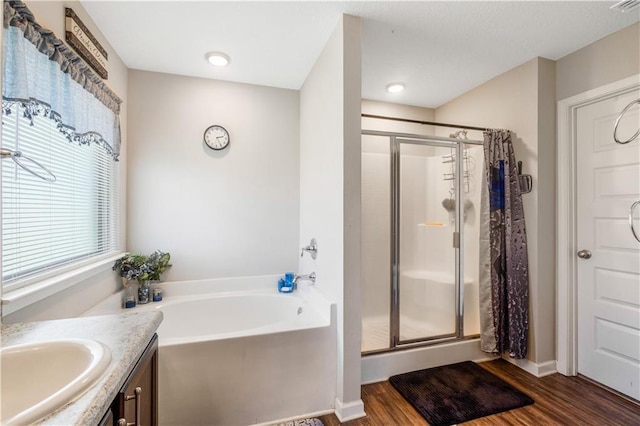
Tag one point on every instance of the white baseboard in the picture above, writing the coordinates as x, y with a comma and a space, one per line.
538, 370
350, 410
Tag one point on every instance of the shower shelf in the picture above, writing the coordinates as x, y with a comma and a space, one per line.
432, 225
451, 176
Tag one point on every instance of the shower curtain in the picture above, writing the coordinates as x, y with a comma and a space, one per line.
504, 272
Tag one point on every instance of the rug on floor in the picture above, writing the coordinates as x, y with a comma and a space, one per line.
457, 393
303, 422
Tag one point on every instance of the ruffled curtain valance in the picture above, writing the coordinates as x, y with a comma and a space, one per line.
45, 77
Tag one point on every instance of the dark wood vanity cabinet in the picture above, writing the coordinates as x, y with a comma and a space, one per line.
137, 402
107, 420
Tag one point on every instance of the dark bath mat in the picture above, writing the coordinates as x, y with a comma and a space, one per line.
457, 393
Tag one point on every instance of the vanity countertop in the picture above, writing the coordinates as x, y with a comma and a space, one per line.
126, 335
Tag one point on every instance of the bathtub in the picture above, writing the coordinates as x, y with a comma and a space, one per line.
234, 351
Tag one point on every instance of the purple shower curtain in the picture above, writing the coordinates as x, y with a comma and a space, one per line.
504, 271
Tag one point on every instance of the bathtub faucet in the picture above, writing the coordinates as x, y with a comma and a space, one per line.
312, 249
310, 277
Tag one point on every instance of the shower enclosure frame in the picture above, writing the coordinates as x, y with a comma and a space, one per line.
395, 139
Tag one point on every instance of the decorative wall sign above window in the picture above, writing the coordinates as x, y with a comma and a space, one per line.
80, 38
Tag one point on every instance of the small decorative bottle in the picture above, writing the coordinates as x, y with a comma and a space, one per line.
157, 294
129, 296
143, 292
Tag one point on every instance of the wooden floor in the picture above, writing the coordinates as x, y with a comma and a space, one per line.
559, 400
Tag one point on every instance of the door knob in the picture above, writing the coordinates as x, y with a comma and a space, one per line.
584, 254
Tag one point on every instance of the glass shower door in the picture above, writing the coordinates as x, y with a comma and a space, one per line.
418, 286
426, 239
376, 242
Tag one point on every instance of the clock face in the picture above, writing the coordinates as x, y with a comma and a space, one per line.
216, 137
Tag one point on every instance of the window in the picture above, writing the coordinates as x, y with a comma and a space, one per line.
58, 112
48, 226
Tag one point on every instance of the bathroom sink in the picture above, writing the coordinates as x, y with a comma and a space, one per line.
38, 378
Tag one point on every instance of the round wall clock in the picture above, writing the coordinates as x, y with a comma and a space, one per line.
216, 137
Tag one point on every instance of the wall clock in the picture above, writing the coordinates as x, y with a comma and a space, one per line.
216, 137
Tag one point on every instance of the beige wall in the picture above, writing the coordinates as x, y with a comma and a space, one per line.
223, 213
544, 320
352, 406
330, 194
397, 110
513, 101
610, 59
78, 298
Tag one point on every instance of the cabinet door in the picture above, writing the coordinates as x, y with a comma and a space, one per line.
137, 401
107, 420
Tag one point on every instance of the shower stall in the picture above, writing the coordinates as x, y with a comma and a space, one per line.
420, 239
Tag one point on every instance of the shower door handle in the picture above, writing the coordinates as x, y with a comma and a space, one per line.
584, 254
456, 240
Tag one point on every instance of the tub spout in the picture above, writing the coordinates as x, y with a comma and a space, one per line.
310, 277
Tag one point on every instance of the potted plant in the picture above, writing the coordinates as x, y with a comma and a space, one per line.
141, 269
158, 263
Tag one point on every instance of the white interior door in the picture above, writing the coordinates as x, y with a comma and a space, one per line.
609, 281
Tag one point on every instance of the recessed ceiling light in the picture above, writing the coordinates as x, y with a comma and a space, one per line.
218, 59
395, 87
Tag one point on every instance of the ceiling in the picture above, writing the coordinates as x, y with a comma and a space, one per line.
439, 49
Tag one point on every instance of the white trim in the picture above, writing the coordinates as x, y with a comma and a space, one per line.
350, 410
538, 370
22, 297
379, 367
566, 238
487, 358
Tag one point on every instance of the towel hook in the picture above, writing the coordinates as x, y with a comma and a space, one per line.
19, 158
631, 209
615, 128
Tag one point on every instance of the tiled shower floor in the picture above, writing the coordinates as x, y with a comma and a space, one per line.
375, 331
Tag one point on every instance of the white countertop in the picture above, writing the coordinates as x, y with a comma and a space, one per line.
126, 335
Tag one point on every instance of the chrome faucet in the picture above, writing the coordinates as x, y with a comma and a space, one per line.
310, 277
312, 249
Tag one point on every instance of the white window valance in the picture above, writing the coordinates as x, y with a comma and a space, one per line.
46, 78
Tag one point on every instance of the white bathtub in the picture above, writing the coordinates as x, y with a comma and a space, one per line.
234, 351
235, 315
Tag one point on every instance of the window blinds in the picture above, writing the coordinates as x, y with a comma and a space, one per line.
47, 226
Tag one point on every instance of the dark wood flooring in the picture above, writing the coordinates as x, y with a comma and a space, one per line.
559, 400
